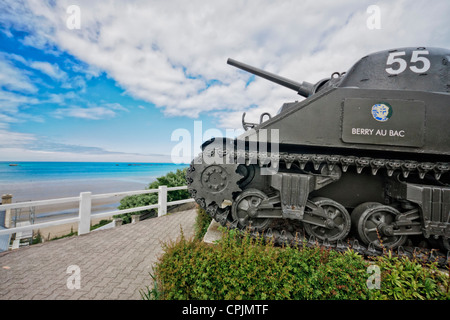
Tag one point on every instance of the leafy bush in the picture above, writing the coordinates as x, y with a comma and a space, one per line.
245, 268
172, 179
248, 269
405, 279
202, 222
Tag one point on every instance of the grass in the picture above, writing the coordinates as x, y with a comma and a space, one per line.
38, 237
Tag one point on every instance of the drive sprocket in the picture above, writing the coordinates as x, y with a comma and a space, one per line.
213, 177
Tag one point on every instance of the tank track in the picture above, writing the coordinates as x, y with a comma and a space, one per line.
283, 232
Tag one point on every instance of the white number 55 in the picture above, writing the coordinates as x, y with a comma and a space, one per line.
394, 57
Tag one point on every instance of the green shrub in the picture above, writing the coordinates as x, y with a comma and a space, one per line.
245, 268
101, 223
137, 201
405, 279
202, 222
248, 269
172, 179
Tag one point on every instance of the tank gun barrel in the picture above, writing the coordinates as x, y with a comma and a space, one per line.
304, 89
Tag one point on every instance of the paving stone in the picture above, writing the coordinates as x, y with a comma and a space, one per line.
113, 264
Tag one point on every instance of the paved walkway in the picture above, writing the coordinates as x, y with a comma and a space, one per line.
113, 264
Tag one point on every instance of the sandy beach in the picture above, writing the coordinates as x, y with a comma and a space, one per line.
52, 189
48, 213
43, 190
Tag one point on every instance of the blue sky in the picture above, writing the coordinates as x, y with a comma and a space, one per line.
67, 108
117, 87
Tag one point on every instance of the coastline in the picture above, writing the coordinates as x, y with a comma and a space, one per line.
53, 189
63, 211
35, 180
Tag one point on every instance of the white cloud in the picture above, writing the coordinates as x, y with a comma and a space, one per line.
18, 86
84, 113
173, 53
90, 112
18, 153
52, 70
13, 78
16, 146
14, 139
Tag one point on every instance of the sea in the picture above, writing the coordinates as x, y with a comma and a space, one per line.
11, 172
30, 181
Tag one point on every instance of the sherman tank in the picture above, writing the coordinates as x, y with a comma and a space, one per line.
364, 157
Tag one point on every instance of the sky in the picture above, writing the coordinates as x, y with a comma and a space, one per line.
134, 80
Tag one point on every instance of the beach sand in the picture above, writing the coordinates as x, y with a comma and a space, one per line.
48, 213
61, 230
52, 189
31, 191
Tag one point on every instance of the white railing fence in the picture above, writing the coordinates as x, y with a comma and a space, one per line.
85, 205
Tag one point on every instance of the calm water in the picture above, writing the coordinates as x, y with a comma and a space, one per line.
44, 171
48, 180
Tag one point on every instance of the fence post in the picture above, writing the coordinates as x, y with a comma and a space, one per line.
162, 201
7, 199
85, 213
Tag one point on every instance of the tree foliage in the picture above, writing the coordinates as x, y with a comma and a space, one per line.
172, 179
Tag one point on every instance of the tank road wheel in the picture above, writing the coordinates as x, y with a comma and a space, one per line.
245, 208
339, 218
374, 222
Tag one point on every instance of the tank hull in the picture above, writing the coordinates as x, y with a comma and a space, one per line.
341, 119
